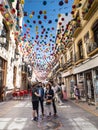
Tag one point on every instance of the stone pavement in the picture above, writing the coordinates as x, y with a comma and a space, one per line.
16, 115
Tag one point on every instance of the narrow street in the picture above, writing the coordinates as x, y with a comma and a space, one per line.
16, 115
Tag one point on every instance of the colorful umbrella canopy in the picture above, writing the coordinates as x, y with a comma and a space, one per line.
40, 30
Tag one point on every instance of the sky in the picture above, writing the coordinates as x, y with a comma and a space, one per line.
40, 29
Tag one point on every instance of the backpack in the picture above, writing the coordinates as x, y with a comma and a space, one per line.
77, 93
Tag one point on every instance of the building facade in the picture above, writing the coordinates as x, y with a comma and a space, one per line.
11, 14
79, 58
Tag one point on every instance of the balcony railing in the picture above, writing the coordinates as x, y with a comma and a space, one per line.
89, 8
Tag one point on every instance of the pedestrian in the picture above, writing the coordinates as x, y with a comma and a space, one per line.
64, 93
77, 93
49, 94
41, 98
89, 94
59, 94
54, 99
35, 101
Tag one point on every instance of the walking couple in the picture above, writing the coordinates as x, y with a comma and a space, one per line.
41, 95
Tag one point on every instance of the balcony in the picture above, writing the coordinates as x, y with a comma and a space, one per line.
79, 57
92, 48
89, 8
76, 29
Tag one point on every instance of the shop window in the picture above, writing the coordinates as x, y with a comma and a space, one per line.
81, 75
96, 72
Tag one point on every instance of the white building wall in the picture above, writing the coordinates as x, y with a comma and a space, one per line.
10, 53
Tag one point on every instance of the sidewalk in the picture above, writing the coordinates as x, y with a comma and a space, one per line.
84, 105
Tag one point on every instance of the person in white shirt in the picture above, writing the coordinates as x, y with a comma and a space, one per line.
64, 93
59, 94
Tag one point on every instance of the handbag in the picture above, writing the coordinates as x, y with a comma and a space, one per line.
48, 102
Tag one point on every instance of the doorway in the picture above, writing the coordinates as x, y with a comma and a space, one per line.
89, 85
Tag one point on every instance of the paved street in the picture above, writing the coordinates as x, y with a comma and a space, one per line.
16, 115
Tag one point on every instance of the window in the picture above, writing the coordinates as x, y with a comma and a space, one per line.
71, 55
80, 49
86, 37
62, 60
95, 30
4, 31
65, 57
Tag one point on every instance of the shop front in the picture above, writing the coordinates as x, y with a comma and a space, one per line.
69, 80
89, 85
81, 85
86, 73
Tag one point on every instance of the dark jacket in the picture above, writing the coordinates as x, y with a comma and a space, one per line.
49, 94
34, 97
